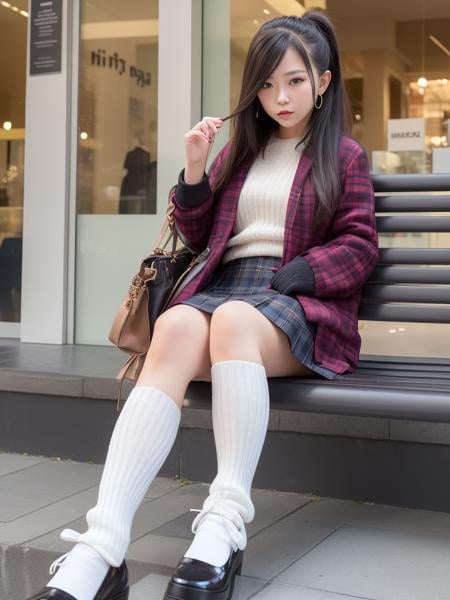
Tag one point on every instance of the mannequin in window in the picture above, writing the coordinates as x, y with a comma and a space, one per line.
135, 188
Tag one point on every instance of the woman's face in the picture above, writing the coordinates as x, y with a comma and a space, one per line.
288, 90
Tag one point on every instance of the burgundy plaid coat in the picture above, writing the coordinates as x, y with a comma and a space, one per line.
341, 252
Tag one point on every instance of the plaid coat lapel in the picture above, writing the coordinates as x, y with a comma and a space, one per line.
298, 228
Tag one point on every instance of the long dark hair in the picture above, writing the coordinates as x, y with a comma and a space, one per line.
312, 35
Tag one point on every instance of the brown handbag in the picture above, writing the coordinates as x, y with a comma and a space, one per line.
151, 289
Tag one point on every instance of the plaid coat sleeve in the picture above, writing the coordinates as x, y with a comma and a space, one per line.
195, 223
342, 265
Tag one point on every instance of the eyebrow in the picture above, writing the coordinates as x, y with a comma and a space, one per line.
292, 72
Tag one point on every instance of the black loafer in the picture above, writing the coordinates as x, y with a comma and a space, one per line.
198, 580
114, 587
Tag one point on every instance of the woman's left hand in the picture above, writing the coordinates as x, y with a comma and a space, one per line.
295, 276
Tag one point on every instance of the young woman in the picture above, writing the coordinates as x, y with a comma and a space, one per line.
286, 222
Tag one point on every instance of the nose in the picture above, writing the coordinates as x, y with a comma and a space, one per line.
282, 97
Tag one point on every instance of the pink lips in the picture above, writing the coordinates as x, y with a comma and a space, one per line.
284, 113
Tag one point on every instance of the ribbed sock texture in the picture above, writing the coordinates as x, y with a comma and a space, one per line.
142, 438
240, 410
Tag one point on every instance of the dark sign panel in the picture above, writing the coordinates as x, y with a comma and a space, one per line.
45, 36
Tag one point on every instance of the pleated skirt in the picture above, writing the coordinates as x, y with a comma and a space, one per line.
248, 279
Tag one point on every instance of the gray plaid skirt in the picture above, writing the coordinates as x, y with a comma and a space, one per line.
247, 279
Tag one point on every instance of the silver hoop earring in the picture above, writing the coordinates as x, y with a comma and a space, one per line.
257, 113
321, 102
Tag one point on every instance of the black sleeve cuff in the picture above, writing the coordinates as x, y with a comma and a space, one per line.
304, 277
192, 195
294, 277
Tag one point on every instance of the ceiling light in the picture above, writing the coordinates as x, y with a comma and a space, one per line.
440, 45
84, 135
24, 13
7, 125
266, 11
422, 82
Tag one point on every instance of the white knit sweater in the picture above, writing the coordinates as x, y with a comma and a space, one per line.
259, 226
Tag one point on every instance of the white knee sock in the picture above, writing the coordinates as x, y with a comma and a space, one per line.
142, 438
240, 408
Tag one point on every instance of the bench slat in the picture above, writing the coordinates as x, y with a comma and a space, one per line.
424, 363
375, 293
412, 204
396, 274
418, 182
384, 401
388, 224
415, 256
404, 313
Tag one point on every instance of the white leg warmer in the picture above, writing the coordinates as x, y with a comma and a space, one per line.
142, 438
240, 405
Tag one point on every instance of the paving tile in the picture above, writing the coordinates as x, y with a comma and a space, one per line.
391, 518
158, 550
271, 506
160, 487
290, 592
277, 547
246, 587
28, 490
25, 571
58, 514
177, 528
16, 462
48, 519
150, 515
162, 528
371, 563
151, 587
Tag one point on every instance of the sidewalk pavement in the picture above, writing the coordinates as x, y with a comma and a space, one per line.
300, 547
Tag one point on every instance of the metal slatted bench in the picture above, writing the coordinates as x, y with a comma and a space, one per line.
410, 285
381, 434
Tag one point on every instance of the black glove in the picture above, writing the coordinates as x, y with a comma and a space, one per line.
191, 195
296, 276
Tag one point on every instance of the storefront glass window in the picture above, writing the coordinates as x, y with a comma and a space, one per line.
116, 177
13, 34
395, 62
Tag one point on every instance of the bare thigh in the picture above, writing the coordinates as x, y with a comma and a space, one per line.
239, 331
179, 351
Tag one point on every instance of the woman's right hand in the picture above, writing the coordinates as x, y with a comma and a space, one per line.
197, 143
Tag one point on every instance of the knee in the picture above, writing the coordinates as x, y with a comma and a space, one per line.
228, 323
176, 326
